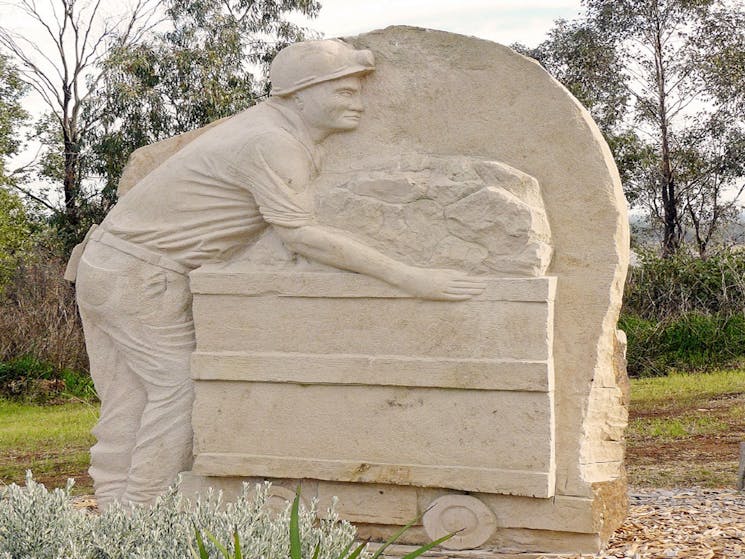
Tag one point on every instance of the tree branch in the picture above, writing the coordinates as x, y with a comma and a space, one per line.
35, 198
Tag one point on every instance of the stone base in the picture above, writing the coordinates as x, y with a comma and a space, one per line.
500, 526
398, 551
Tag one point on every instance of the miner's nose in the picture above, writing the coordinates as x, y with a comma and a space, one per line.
356, 103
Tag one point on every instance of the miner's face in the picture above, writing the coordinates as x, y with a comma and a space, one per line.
334, 105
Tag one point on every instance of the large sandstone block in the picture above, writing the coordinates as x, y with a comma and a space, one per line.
421, 393
465, 213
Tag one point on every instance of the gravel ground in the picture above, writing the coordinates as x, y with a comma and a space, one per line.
690, 523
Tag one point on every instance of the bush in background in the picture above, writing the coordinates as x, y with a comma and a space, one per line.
661, 288
42, 348
685, 313
691, 342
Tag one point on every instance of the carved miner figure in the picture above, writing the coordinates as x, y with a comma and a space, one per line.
205, 203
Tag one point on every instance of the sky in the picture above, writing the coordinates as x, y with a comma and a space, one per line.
502, 21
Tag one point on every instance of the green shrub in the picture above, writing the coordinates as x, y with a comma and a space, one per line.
42, 348
15, 234
27, 378
689, 342
662, 288
684, 312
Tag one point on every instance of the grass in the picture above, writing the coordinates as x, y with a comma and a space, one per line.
675, 428
685, 429
684, 389
52, 441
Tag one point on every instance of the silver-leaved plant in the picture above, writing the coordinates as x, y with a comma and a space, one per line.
36, 523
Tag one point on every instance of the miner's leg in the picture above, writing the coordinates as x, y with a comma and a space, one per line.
163, 445
121, 393
122, 403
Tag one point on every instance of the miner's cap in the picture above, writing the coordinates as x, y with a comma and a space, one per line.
310, 62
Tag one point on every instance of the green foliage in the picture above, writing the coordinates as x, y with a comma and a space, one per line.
688, 342
203, 554
684, 312
15, 226
663, 288
29, 379
15, 232
12, 114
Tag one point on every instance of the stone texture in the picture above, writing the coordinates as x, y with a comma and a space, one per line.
369, 503
517, 142
465, 213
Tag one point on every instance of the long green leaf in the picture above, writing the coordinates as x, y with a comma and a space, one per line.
221, 548
237, 544
200, 544
343, 554
358, 550
426, 548
295, 547
395, 536
193, 552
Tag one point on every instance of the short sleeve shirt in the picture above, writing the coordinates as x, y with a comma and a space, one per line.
218, 193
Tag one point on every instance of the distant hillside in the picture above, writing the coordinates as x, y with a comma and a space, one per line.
643, 234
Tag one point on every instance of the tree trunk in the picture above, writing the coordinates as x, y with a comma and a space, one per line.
670, 238
70, 184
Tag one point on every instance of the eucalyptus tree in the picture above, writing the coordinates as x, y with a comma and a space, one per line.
205, 63
57, 46
12, 116
14, 223
666, 81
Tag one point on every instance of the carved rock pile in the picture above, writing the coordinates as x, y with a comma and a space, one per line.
466, 213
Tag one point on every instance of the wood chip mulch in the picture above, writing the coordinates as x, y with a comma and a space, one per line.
682, 523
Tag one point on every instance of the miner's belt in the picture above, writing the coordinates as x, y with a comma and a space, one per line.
139, 252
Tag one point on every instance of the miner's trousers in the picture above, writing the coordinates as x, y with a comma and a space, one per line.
139, 334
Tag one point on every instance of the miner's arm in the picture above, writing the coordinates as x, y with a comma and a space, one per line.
279, 174
337, 249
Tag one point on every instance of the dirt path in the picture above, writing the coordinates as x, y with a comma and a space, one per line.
701, 447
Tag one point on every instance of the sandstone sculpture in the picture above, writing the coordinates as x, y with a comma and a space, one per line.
503, 414
492, 397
